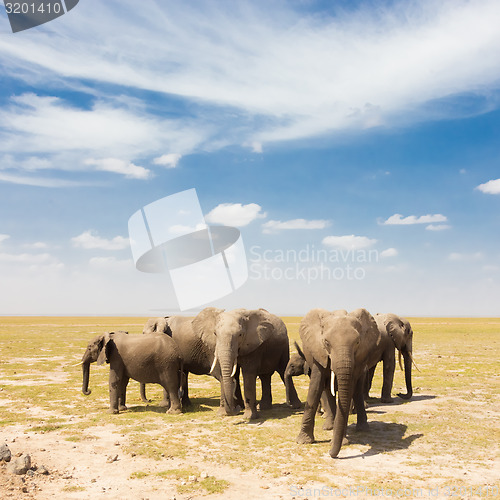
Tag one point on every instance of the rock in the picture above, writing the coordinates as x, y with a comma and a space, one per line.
42, 470
112, 458
193, 479
203, 475
21, 465
5, 454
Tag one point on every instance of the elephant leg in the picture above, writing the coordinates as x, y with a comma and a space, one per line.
316, 386
329, 408
266, 402
186, 402
123, 394
165, 402
250, 389
142, 390
362, 421
368, 382
389, 363
114, 390
238, 397
171, 382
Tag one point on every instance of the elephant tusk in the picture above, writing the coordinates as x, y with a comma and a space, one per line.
413, 361
332, 383
234, 370
77, 364
399, 359
213, 364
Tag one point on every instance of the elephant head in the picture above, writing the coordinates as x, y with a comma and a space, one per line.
401, 333
156, 325
339, 341
238, 333
98, 351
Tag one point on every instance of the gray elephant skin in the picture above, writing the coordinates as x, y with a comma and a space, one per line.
337, 346
395, 332
147, 359
195, 339
257, 341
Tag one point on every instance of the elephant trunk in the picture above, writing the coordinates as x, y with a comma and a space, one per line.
86, 376
228, 361
292, 398
344, 376
408, 362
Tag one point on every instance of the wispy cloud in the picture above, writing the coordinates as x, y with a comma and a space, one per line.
126, 168
4, 237
398, 219
169, 160
235, 214
438, 227
89, 240
306, 75
465, 257
490, 187
276, 225
389, 252
48, 182
348, 242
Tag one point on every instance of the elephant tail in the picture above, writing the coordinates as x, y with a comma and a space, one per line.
182, 379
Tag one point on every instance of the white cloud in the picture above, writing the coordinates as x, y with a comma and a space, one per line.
170, 160
90, 241
398, 219
180, 229
437, 227
490, 187
348, 242
37, 181
310, 74
465, 257
389, 252
276, 225
118, 166
38, 245
257, 147
4, 237
29, 259
110, 263
235, 214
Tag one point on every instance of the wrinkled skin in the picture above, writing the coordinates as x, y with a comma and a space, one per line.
147, 359
257, 341
396, 333
195, 339
336, 345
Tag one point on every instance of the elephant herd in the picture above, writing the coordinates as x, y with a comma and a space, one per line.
340, 351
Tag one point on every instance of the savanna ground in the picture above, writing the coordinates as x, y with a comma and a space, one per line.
444, 442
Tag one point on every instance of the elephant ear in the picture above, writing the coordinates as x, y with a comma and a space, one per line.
369, 329
204, 325
311, 332
396, 330
258, 326
105, 346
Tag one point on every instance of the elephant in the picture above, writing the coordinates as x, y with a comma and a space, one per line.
337, 346
257, 341
150, 359
396, 332
195, 339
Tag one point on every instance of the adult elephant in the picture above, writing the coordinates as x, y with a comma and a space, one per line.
148, 359
257, 341
395, 332
195, 339
336, 346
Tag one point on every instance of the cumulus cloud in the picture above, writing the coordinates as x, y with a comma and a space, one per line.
117, 166
389, 252
235, 214
490, 187
348, 242
89, 240
465, 257
169, 160
276, 225
398, 219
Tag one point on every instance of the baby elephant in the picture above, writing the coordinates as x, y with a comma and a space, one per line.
150, 359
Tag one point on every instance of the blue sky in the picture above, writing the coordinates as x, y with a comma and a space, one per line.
356, 128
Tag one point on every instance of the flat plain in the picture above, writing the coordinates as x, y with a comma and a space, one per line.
442, 443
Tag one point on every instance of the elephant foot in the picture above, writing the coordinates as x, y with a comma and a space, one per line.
265, 405
164, 404
304, 438
174, 411
296, 405
328, 425
362, 426
122, 408
223, 412
385, 399
405, 396
186, 403
113, 411
250, 414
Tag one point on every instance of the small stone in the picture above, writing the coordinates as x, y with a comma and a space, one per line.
43, 470
67, 476
21, 465
193, 479
30, 473
117, 443
112, 458
5, 454
203, 475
